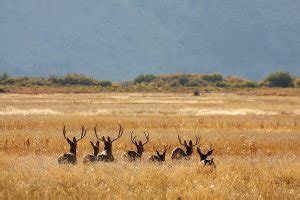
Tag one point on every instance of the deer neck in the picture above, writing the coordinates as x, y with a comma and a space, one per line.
73, 148
139, 151
108, 149
96, 152
189, 150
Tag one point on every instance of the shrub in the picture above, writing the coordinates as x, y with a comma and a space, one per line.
183, 80
105, 83
212, 77
144, 78
197, 82
125, 83
72, 79
250, 84
297, 82
3, 90
174, 83
222, 84
279, 79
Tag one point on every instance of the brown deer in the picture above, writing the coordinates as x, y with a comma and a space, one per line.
204, 157
159, 157
70, 158
179, 153
133, 155
92, 157
107, 155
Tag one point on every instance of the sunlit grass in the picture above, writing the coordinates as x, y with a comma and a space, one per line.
257, 155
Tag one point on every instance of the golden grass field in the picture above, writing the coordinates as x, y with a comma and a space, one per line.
256, 141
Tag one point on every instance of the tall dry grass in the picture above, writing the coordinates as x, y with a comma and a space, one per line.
257, 154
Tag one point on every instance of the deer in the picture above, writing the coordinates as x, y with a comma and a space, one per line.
159, 157
134, 155
107, 155
92, 157
70, 158
179, 153
204, 157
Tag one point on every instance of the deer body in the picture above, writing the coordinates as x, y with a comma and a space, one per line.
205, 157
159, 157
67, 158
179, 153
134, 155
70, 158
107, 155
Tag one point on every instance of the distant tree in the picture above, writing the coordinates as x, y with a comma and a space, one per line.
279, 79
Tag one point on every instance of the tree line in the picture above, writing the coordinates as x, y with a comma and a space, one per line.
168, 81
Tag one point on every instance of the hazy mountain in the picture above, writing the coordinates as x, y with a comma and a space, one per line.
118, 39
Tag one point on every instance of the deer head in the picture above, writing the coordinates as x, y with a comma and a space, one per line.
108, 141
73, 142
139, 145
204, 156
160, 157
189, 146
95, 147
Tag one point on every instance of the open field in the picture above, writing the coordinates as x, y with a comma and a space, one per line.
256, 141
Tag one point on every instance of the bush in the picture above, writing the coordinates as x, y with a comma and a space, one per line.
197, 82
279, 79
183, 80
144, 78
174, 83
3, 90
222, 84
249, 84
212, 77
105, 83
297, 82
72, 79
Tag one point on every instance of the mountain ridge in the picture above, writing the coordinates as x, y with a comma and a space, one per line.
118, 40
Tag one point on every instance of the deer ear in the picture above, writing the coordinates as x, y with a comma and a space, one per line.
185, 142
190, 143
97, 143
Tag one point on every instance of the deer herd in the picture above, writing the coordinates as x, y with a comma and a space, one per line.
107, 154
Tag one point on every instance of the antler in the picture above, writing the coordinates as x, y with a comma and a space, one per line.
83, 133
147, 138
180, 141
120, 133
65, 132
197, 140
95, 131
166, 147
133, 138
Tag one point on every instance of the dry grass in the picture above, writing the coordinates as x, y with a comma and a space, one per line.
256, 151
